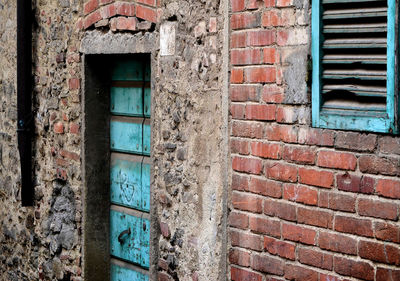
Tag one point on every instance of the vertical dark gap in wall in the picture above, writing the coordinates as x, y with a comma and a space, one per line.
24, 98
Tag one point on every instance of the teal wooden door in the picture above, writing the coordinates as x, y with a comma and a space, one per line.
130, 170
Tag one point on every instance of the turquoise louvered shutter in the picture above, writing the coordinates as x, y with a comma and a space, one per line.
353, 50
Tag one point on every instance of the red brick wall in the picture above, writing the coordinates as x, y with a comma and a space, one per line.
119, 15
306, 204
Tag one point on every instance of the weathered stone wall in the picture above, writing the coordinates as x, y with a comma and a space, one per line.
44, 242
307, 204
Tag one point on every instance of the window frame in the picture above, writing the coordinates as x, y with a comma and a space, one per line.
387, 124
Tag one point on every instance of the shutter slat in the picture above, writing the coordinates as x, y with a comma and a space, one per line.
349, 1
349, 59
354, 28
356, 74
354, 13
358, 90
355, 43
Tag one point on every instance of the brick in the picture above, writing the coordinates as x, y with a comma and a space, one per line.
314, 217
74, 128
254, 4
90, 6
286, 114
245, 20
362, 227
272, 93
74, 83
315, 258
280, 248
389, 145
261, 38
336, 201
316, 137
237, 5
378, 165
238, 274
238, 220
281, 172
316, 178
237, 75
260, 112
301, 194
386, 274
59, 128
239, 257
283, 3
246, 56
245, 92
379, 252
246, 240
69, 155
165, 230
324, 277
265, 187
282, 37
337, 243
300, 155
246, 202
377, 209
238, 39
212, 25
265, 226
337, 160
300, 273
280, 209
146, 13
266, 150
267, 264
357, 269
164, 277
237, 111
388, 188
240, 182
261, 74
355, 141
269, 55
123, 23
387, 231
91, 19
247, 129
270, 18
298, 234
240, 147
125, 9
353, 183
285, 133
148, 2
247, 165
269, 3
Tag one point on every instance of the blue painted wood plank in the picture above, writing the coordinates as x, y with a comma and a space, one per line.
391, 70
147, 102
147, 72
146, 185
146, 137
126, 134
126, 180
356, 123
119, 273
127, 101
145, 243
128, 70
125, 246
316, 61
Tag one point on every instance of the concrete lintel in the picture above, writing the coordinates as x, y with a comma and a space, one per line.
96, 42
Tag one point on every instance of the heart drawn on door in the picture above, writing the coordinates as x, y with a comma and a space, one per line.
128, 189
